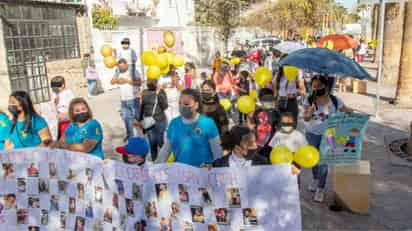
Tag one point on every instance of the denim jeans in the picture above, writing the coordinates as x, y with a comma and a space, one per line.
91, 86
319, 172
156, 137
130, 113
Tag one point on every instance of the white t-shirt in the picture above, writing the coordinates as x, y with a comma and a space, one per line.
128, 54
317, 124
62, 100
173, 95
293, 141
235, 161
127, 91
292, 86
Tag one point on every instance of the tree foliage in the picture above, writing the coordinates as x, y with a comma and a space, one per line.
103, 18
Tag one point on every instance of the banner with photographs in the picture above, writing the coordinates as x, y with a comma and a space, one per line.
43, 189
343, 138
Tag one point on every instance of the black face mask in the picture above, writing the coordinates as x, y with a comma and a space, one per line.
13, 110
186, 112
251, 153
151, 86
320, 92
55, 90
207, 96
81, 117
56, 84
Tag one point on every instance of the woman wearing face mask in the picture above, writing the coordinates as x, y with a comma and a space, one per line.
241, 141
193, 138
317, 107
211, 106
27, 129
154, 105
84, 134
4, 128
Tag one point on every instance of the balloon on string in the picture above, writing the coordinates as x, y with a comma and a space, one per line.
246, 104
262, 76
291, 73
169, 39
281, 155
307, 156
235, 60
226, 104
110, 62
171, 158
253, 94
153, 72
162, 61
149, 58
106, 50
178, 61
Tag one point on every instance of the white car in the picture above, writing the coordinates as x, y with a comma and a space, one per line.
265, 42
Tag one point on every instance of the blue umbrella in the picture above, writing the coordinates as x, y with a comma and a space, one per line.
325, 61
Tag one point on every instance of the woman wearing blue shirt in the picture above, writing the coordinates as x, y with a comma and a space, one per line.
193, 138
84, 134
27, 128
4, 129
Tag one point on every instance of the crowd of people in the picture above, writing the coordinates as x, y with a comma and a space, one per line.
180, 115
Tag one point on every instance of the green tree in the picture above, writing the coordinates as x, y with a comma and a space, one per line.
103, 18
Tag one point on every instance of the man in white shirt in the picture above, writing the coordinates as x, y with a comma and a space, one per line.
62, 98
129, 54
129, 90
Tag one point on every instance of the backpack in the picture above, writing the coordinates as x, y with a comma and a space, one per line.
334, 99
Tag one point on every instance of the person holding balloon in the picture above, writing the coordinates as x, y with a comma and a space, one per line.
288, 85
211, 106
317, 107
192, 137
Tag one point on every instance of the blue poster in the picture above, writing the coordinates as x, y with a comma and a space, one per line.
343, 138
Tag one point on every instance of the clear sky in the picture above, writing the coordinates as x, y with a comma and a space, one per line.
350, 4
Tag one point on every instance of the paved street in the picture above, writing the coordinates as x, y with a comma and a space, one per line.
391, 187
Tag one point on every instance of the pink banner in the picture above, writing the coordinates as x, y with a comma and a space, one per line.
155, 38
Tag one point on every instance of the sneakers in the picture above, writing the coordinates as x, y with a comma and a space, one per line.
313, 186
319, 195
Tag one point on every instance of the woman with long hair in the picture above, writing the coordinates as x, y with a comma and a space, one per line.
84, 134
211, 106
27, 129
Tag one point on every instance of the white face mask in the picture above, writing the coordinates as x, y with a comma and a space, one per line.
287, 129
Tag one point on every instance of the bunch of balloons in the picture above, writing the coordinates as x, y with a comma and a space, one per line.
158, 62
109, 59
306, 156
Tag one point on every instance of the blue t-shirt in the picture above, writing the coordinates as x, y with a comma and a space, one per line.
190, 142
27, 138
90, 130
4, 129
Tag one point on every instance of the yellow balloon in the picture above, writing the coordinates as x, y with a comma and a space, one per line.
226, 104
161, 49
307, 156
246, 104
169, 39
253, 94
149, 58
110, 62
106, 50
170, 57
165, 70
171, 158
328, 44
235, 60
291, 72
281, 155
162, 61
153, 72
262, 76
179, 61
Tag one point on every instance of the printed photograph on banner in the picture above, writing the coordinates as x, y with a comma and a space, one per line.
44, 217
52, 170
206, 197
197, 214
97, 225
187, 226
80, 191
174, 209
21, 185
140, 225
10, 201
129, 207
43, 185
222, 216
123, 218
136, 192
250, 217
115, 201
33, 202
33, 170
89, 175
2, 209
8, 171
165, 224
183, 193
72, 205
71, 175
63, 220
54, 203
33, 228
108, 215
22, 216
161, 192
80, 224
212, 227
150, 210
62, 185
119, 186
89, 213
233, 197
98, 194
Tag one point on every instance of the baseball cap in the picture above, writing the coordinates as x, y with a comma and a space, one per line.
135, 146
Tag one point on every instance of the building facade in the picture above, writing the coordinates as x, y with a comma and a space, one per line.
36, 38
